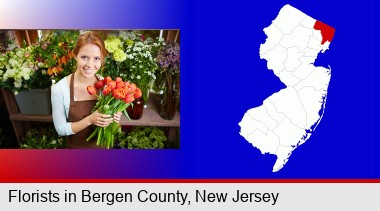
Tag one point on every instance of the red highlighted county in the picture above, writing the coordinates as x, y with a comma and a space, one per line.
326, 31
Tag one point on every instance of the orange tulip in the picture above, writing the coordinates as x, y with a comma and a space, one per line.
119, 93
91, 90
107, 79
120, 84
111, 84
118, 79
107, 90
129, 98
138, 93
132, 88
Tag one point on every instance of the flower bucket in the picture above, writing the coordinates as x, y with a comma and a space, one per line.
34, 101
170, 101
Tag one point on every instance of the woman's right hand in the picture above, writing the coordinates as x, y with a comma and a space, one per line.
101, 120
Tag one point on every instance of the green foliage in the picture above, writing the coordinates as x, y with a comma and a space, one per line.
42, 138
143, 138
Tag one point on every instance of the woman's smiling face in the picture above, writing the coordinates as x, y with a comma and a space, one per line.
89, 60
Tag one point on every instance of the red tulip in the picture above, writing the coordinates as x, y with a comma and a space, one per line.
129, 98
138, 93
99, 84
111, 84
91, 90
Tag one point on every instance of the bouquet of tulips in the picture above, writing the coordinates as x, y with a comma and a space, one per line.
114, 96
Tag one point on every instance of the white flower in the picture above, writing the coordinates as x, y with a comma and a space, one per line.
13, 62
18, 83
138, 49
25, 73
138, 77
20, 53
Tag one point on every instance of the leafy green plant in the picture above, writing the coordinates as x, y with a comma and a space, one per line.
143, 138
42, 138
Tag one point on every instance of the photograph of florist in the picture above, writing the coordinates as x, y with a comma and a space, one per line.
102, 89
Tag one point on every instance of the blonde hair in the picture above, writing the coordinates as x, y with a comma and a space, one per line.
92, 38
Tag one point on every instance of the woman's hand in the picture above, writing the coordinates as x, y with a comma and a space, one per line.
101, 120
116, 117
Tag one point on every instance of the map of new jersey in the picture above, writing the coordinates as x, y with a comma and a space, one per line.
287, 119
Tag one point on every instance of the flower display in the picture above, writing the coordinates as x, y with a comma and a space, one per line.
132, 58
55, 54
114, 96
114, 46
19, 70
36, 66
141, 64
168, 58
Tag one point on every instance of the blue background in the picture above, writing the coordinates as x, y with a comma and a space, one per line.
222, 77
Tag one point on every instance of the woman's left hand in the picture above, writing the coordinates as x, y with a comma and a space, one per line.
116, 117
